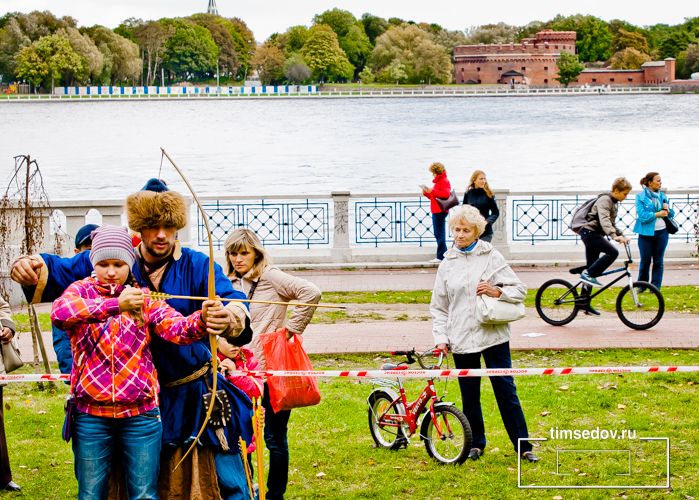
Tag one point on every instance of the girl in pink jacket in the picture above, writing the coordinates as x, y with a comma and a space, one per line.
114, 384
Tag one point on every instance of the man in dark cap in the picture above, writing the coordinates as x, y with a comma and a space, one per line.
215, 469
83, 238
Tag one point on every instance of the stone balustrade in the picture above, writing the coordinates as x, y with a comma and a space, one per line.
347, 230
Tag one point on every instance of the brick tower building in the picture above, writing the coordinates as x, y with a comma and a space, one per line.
532, 61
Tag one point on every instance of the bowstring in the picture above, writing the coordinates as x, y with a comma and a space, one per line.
160, 170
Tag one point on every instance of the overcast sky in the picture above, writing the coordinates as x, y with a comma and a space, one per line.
267, 17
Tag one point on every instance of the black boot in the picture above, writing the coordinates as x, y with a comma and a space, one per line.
584, 305
589, 310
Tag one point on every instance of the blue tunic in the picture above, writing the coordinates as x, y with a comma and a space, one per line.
181, 406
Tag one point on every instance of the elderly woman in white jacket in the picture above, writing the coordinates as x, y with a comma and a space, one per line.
460, 279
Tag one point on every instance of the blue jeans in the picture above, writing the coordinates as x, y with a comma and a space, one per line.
276, 427
133, 441
505, 391
652, 248
440, 233
231, 476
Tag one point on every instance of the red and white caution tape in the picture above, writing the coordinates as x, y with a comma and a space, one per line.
35, 377
481, 372
453, 373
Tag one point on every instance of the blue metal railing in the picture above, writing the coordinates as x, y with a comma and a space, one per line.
297, 223
397, 219
546, 218
382, 221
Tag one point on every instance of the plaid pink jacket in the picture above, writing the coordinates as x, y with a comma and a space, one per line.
118, 378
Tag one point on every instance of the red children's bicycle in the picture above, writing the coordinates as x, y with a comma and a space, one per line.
393, 419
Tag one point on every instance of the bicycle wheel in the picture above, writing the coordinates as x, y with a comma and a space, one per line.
556, 302
455, 441
644, 312
388, 435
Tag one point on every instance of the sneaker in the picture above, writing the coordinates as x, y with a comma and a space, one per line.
436, 260
589, 280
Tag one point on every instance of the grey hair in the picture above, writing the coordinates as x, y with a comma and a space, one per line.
466, 215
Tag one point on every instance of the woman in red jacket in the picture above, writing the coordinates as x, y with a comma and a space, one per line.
441, 189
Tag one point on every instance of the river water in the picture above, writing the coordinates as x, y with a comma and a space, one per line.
104, 150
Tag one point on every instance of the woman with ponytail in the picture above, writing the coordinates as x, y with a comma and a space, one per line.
652, 207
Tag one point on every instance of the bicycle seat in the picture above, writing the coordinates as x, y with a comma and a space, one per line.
577, 270
393, 366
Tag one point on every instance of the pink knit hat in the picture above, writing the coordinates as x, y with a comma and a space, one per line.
112, 242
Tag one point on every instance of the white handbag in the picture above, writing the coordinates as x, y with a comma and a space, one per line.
493, 311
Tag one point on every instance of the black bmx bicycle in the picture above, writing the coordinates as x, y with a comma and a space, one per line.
639, 305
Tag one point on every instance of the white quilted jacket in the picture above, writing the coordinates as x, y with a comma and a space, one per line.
453, 304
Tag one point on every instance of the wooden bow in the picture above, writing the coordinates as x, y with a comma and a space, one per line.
168, 296
211, 295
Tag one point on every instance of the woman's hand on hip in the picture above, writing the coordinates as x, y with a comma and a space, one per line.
485, 288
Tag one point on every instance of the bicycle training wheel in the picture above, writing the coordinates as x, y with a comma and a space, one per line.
556, 302
455, 441
644, 312
388, 435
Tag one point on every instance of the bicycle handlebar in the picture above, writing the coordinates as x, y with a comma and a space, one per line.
413, 356
627, 247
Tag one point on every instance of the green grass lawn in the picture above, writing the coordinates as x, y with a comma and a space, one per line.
333, 456
677, 298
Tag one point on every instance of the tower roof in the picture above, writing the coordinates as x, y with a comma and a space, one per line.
212, 8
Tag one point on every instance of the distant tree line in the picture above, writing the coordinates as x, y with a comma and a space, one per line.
339, 47
44, 50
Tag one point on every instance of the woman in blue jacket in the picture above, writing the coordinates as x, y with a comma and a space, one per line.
652, 206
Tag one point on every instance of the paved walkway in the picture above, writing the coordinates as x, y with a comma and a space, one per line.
423, 278
675, 330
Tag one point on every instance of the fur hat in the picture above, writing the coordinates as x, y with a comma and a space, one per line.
156, 207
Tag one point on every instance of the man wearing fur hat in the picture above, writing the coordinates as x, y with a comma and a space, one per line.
156, 214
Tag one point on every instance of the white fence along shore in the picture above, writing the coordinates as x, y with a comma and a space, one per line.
313, 92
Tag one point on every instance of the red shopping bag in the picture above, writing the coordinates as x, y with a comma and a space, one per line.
286, 393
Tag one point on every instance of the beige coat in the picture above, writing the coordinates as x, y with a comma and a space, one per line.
274, 284
6, 321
